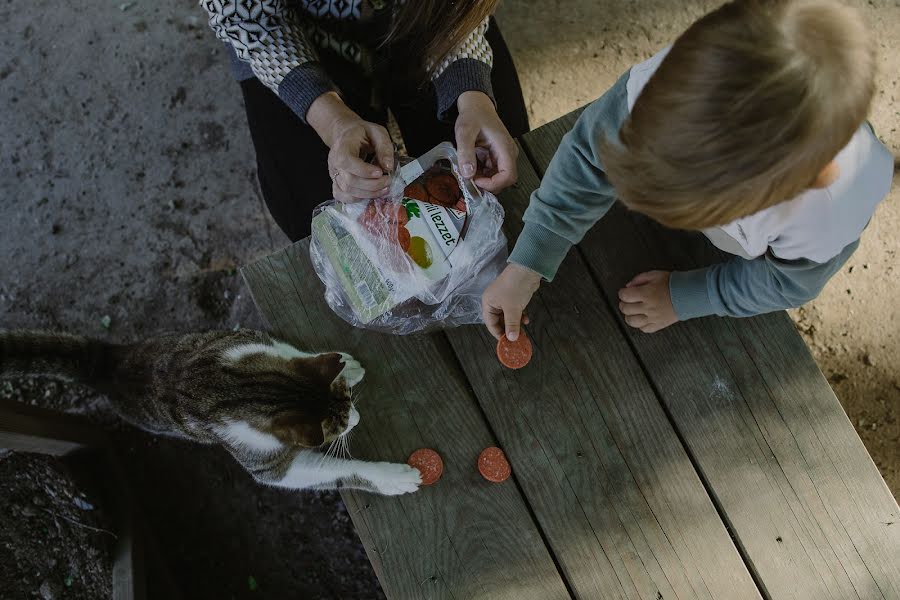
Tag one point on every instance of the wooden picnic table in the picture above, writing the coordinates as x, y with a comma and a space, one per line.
710, 460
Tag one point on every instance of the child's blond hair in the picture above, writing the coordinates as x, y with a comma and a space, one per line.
749, 106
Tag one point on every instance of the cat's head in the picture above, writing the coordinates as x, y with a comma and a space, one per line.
301, 400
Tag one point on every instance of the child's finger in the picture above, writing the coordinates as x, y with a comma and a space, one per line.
637, 320
631, 295
641, 279
512, 320
493, 318
632, 308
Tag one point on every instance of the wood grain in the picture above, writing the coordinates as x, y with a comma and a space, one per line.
615, 493
25, 428
803, 499
461, 538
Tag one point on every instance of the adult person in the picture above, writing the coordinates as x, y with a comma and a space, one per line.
318, 77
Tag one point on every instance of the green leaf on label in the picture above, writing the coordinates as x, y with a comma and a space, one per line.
251, 583
412, 209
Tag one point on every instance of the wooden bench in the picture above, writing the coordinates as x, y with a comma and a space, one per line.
710, 460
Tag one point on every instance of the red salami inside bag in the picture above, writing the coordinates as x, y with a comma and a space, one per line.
416, 260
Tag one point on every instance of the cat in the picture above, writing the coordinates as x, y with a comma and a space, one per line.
273, 407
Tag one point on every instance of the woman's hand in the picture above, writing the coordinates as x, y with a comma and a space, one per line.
351, 139
503, 302
479, 126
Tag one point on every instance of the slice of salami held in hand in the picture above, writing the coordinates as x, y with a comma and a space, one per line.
493, 466
514, 355
429, 464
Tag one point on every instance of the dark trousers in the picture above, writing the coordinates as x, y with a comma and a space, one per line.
291, 160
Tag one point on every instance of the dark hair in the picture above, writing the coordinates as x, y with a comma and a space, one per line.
431, 29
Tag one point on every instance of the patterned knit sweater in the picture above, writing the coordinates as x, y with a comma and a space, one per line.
286, 43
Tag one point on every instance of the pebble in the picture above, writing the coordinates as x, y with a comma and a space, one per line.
45, 591
82, 504
868, 360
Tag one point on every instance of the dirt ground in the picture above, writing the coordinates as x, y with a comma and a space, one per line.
128, 199
68, 549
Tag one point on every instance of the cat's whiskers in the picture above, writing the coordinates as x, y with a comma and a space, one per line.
347, 438
345, 447
327, 454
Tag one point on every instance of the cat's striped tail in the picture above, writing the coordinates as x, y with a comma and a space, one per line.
59, 355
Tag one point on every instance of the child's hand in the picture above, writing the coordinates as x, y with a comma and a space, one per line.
504, 301
646, 303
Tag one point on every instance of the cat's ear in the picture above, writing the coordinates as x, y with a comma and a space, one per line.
298, 431
324, 367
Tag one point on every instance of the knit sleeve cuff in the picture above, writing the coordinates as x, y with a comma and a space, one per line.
540, 250
463, 75
300, 88
690, 294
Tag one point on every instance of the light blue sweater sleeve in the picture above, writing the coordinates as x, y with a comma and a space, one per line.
742, 288
574, 192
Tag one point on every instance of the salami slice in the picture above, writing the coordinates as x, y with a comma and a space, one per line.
403, 237
493, 466
416, 191
514, 355
443, 189
429, 464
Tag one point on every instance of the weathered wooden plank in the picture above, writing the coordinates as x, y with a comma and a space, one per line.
127, 563
457, 539
27, 428
806, 504
614, 491
129, 577
98, 471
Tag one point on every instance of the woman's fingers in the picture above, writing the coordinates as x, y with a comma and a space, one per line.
344, 160
466, 135
506, 171
353, 177
380, 141
353, 184
341, 196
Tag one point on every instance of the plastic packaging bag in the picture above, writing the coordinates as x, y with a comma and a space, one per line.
416, 260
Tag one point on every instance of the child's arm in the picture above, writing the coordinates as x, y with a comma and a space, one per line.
573, 195
574, 192
743, 288
736, 288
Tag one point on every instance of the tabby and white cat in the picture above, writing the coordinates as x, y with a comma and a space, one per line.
277, 410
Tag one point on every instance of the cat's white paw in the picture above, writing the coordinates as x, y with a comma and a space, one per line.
353, 372
393, 479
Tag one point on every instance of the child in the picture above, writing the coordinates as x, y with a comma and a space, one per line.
750, 128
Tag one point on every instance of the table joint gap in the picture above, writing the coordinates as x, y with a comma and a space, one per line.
707, 487
445, 340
